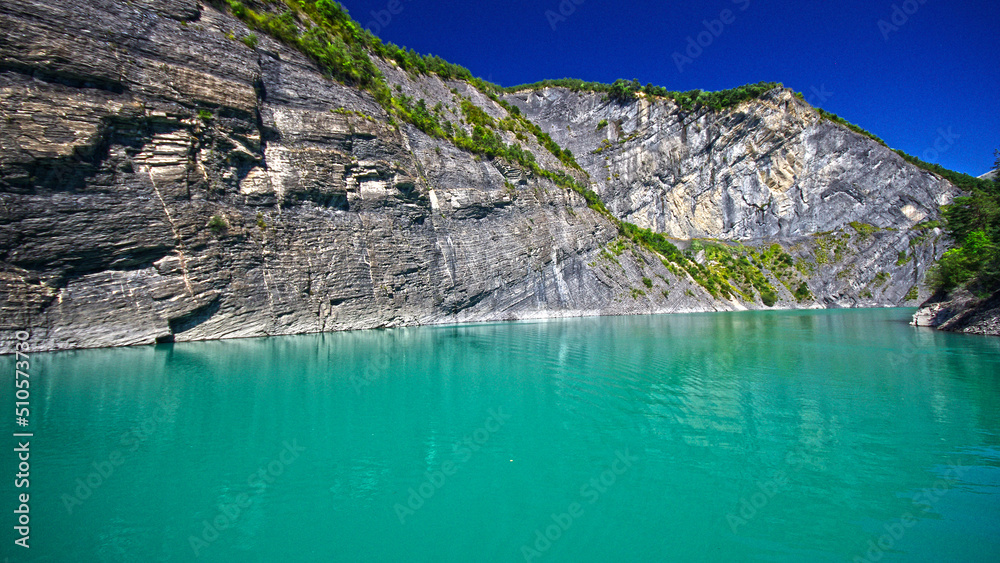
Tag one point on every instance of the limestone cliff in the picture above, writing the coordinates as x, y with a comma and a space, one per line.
769, 170
161, 180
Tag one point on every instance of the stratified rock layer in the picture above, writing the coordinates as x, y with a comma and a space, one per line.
961, 311
162, 181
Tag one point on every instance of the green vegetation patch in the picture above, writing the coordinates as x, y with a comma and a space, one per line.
831, 247
802, 293
974, 223
218, 224
250, 40
724, 271
618, 246
626, 91
864, 229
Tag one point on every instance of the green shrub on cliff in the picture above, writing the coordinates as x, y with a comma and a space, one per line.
626, 91
623, 91
973, 222
802, 292
250, 40
218, 224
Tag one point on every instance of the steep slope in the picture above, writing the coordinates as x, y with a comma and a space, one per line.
166, 175
770, 169
115, 164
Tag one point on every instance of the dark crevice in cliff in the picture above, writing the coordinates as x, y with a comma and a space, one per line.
336, 201
179, 10
76, 172
469, 302
64, 78
61, 271
196, 317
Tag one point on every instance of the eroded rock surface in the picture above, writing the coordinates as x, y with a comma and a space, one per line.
961, 311
162, 181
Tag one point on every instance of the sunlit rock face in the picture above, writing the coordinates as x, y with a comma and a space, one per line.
769, 168
162, 181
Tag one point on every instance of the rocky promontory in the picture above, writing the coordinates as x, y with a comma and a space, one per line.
961, 311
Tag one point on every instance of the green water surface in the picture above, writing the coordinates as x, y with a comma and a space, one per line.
774, 436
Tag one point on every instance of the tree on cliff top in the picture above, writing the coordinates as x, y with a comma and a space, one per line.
973, 222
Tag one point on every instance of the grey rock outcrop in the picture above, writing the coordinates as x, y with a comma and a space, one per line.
963, 312
161, 181
770, 170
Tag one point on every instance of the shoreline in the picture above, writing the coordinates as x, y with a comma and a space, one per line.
473, 323
961, 312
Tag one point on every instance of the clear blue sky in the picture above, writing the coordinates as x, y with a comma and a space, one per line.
927, 82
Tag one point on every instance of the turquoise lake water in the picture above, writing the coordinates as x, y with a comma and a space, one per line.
773, 436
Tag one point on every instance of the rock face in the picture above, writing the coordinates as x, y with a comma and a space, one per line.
162, 181
961, 312
770, 170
